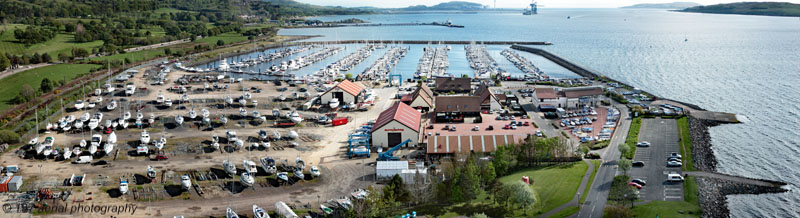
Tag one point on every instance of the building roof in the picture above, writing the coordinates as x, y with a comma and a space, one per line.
486, 93
391, 165
349, 87
578, 92
424, 89
546, 93
467, 143
407, 98
425, 93
458, 104
402, 113
453, 84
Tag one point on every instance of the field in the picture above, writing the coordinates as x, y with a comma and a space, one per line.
11, 85
62, 43
686, 143
666, 209
133, 56
229, 37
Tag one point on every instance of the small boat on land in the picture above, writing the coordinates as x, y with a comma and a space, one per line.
247, 179
314, 171
123, 187
333, 103
259, 212
151, 172
229, 167
229, 213
179, 120
145, 137
186, 182
268, 164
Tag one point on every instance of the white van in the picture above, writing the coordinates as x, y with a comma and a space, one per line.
674, 178
84, 159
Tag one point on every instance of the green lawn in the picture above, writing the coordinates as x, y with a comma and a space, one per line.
61, 43
554, 186
690, 193
633, 137
666, 209
11, 85
566, 212
596, 164
228, 38
686, 143
133, 56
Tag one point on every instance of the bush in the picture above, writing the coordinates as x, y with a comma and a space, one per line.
592, 156
8, 136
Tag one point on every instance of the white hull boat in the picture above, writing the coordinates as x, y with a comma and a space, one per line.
247, 179
145, 137
179, 120
333, 103
186, 182
229, 167
258, 212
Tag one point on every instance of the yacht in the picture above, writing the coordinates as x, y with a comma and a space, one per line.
145, 138
229, 213
179, 119
229, 167
259, 212
268, 164
333, 103
192, 114
247, 179
314, 171
295, 117
160, 98
186, 182
96, 140
85, 117
112, 105
123, 187
79, 104
168, 102
250, 166
242, 112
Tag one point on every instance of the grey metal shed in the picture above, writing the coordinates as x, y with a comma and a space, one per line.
15, 184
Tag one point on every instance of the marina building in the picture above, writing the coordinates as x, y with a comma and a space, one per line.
568, 97
346, 92
396, 124
421, 99
489, 100
452, 84
456, 108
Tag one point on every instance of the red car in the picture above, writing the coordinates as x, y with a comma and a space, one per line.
526, 123
636, 185
164, 157
507, 127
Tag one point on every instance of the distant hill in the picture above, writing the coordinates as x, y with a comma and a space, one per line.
447, 6
674, 5
750, 8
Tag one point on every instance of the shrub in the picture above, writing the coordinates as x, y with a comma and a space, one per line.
8, 136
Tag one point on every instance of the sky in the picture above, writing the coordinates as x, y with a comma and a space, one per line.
513, 3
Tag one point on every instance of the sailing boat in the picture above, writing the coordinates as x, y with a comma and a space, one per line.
259, 212
229, 167
112, 139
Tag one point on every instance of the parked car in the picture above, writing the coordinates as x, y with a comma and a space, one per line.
674, 178
675, 154
643, 144
490, 128
476, 128
635, 185
539, 133
162, 157
638, 164
453, 128
674, 164
673, 159
639, 181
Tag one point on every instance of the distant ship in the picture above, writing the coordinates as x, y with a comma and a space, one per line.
532, 10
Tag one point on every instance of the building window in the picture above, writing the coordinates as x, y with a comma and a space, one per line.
466, 106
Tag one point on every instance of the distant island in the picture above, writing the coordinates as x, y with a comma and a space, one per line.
750, 8
673, 5
447, 6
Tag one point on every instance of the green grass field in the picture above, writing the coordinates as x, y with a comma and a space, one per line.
555, 185
228, 38
133, 56
686, 143
633, 137
62, 43
666, 209
690, 193
596, 164
11, 85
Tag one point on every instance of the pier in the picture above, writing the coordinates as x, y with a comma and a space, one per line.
425, 42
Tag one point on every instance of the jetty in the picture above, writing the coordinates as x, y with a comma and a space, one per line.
425, 42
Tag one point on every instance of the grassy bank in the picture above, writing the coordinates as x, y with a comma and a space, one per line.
690, 193
596, 164
686, 143
61, 43
666, 209
633, 137
11, 85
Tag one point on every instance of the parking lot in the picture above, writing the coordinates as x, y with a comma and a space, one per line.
663, 137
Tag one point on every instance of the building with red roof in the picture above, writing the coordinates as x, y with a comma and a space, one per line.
395, 125
421, 99
346, 92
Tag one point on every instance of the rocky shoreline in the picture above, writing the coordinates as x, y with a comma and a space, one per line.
713, 191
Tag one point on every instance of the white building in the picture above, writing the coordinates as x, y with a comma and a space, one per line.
394, 125
385, 170
347, 92
568, 97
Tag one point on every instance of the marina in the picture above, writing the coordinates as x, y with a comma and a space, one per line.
484, 65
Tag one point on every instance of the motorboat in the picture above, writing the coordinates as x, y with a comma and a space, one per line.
186, 182
229, 167
93, 123
85, 117
168, 102
108, 148
184, 97
83, 143
96, 140
204, 112
214, 138
47, 150
160, 98
145, 137
247, 95
283, 176
242, 111
230, 135
298, 169
76, 151
123, 187
333, 103
276, 113
91, 105
151, 172
238, 143
266, 145
229, 213
111, 106
242, 101
223, 119
255, 145
114, 124
325, 209
152, 119
293, 135
79, 104
33, 141
138, 122
98, 100
109, 88
276, 135
130, 90
215, 145
262, 134
67, 154
295, 117
255, 103
314, 171
161, 142
192, 114
247, 179
70, 118
92, 149
268, 164
179, 119
112, 138
259, 212
206, 120
282, 97
250, 166
123, 123
256, 113
228, 99
108, 124
78, 125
